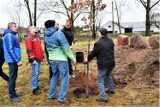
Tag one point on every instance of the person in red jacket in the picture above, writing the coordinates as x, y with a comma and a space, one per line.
35, 57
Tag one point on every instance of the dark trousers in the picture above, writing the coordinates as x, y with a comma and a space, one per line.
70, 66
13, 69
2, 74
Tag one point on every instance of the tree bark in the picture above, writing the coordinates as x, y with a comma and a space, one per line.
118, 17
148, 7
29, 11
93, 22
147, 33
35, 12
72, 18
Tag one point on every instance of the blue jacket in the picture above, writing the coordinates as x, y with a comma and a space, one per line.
11, 47
57, 45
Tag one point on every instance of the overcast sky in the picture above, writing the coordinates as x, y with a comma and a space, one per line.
131, 12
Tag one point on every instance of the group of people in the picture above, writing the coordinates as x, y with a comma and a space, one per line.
59, 56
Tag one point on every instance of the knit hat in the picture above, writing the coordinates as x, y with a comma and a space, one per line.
103, 31
49, 23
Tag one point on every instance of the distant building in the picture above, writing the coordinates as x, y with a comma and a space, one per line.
129, 27
109, 27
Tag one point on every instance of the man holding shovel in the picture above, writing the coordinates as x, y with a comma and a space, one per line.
104, 52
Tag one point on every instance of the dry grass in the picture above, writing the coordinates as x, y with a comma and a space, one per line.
126, 96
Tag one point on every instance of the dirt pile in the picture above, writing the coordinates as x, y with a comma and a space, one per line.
137, 66
79, 82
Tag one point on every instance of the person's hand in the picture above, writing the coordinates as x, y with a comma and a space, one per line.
70, 47
74, 41
90, 50
85, 61
35, 62
19, 63
74, 61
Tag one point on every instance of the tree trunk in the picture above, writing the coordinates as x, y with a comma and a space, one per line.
118, 17
147, 32
29, 11
93, 23
72, 19
35, 12
112, 17
147, 5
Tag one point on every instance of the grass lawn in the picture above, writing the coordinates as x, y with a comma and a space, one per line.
125, 96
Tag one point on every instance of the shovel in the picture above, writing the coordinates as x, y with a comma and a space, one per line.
87, 71
75, 69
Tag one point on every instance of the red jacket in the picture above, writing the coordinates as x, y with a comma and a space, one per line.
34, 48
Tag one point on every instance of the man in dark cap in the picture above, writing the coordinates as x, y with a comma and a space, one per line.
104, 52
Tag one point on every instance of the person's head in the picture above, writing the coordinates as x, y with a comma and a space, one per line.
56, 25
12, 26
49, 23
32, 29
102, 32
68, 24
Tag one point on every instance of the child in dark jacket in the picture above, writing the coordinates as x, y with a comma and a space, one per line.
104, 52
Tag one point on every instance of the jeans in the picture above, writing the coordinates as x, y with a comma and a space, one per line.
102, 75
13, 69
35, 74
109, 82
59, 68
50, 72
2, 74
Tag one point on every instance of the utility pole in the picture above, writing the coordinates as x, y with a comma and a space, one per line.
112, 18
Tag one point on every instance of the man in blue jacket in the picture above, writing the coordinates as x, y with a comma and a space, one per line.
12, 56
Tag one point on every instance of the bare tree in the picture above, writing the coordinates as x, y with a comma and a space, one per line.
148, 5
15, 12
29, 11
155, 19
34, 11
61, 7
118, 17
91, 7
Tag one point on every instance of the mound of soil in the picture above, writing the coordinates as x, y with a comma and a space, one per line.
136, 66
79, 81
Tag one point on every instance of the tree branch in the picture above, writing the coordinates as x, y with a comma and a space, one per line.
62, 1
143, 3
154, 4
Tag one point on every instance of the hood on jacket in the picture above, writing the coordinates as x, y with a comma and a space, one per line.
9, 31
50, 31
